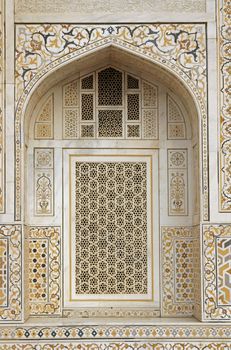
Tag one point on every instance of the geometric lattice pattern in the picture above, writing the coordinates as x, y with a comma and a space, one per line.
110, 87
111, 228
87, 83
44, 270
3, 272
38, 277
87, 130
177, 271
70, 123
10, 273
133, 107
150, 96
184, 273
133, 131
132, 82
70, 94
70, 110
44, 120
118, 101
176, 122
150, 124
217, 276
197, 272
87, 106
110, 123
224, 270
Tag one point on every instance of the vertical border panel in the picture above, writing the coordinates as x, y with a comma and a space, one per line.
2, 108
217, 272
224, 67
173, 279
51, 305
13, 311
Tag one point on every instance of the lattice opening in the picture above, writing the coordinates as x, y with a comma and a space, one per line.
87, 83
87, 106
133, 107
111, 228
133, 131
87, 131
110, 123
149, 95
132, 83
174, 112
110, 87
70, 92
70, 123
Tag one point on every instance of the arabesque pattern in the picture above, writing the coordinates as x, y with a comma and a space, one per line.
120, 346
224, 23
224, 270
43, 181
177, 182
97, 333
3, 272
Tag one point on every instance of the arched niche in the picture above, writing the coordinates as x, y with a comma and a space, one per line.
116, 55
161, 149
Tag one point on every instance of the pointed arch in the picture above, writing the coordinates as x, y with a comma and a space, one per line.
164, 70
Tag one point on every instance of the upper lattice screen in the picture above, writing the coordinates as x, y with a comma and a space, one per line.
110, 104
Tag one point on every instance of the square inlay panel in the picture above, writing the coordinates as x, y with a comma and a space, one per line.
109, 224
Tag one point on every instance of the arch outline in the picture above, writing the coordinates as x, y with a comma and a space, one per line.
143, 50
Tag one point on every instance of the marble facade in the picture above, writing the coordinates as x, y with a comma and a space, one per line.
115, 214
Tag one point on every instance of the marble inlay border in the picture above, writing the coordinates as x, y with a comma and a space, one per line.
120, 346
52, 306
2, 109
13, 310
224, 65
179, 48
83, 7
172, 304
217, 273
175, 331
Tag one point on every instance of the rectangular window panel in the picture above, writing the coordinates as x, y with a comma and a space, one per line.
109, 216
